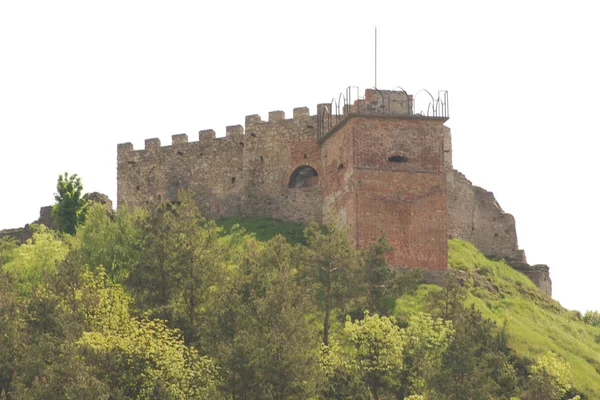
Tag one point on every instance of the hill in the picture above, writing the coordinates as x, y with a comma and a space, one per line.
533, 322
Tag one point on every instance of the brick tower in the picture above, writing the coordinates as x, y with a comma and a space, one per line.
384, 172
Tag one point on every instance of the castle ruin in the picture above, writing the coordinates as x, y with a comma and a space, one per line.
379, 164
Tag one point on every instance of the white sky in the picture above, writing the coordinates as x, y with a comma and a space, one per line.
79, 77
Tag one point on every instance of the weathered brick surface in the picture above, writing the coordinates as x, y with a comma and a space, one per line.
405, 200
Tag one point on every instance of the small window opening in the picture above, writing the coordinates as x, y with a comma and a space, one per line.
305, 155
233, 180
303, 176
340, 167
261, 158
137, 187
398, 159
180, 153
252, 134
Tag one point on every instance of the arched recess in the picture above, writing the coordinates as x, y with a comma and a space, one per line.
303, 176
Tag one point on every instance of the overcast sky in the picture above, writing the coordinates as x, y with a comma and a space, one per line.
79, 77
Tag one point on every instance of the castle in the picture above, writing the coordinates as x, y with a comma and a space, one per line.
379, 164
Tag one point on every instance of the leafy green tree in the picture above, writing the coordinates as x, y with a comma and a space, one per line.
341, 380
12, 343
153, 281
182, 268
383, 283
31, 262
70, 208
378, 275
272, 345
476, 364
550, 378
333, 264
592, 318
374, 348
199, 269
447, 302
114, 243
7, 245
427, 339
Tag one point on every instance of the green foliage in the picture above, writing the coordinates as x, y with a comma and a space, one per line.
265, 228
372, 348
272, 346
477, 363
11, 331
550, 378
114, 243
383, 284
333, 266
7, 245
211, 312
427, 340
70, 208
592, 318
29, 263
532, 323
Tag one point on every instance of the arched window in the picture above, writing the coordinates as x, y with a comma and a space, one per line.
303, 176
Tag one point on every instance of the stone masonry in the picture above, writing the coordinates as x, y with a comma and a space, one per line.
379, 166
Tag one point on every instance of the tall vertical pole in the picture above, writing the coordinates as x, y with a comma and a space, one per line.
375, 57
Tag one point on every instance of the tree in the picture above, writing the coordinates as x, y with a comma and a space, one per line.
549, 379
272, 346
374, 347
427, 339
333, 265
383, 284
70, 208
34, 260
447, 302
592, 318
112, 242
476, 364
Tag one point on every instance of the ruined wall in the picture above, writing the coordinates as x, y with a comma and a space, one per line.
211, 168
475, 215
273, 151
243, 174
21, 235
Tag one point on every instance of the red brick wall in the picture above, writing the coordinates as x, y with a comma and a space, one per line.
407, 200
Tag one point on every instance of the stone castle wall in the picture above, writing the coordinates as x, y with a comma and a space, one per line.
416, 197
475, 215
253, 171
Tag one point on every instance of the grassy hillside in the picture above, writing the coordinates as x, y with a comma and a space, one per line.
265, 228
533, 322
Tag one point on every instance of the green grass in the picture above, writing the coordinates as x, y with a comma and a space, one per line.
265, 228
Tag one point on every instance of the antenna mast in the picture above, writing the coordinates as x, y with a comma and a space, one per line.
375, 57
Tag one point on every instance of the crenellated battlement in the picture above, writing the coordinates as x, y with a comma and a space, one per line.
233, 132
278, 167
